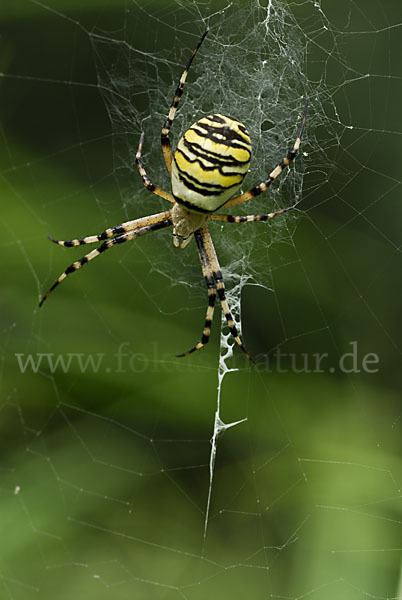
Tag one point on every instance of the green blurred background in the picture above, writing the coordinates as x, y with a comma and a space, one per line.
105, 475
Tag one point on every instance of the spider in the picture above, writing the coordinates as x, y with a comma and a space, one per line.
208, 167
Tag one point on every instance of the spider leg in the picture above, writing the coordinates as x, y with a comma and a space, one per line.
166, 149
145, 179
209, 280
112, 231
248, 218
206, 242
259, 189
125, 237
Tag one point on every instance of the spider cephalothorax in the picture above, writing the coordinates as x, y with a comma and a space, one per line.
207, 169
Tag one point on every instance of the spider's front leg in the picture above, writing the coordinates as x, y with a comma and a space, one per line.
148, 224
214, 280
209, 280
112, 231
220, 287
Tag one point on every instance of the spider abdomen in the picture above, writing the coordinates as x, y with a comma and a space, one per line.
210, 163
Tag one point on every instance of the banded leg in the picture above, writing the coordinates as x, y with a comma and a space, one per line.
145, 179
112, 231
206, 241
291, 155
166, 149
249, 218
125, 237
209, 280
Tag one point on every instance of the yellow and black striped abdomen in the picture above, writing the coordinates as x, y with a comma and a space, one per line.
210, 163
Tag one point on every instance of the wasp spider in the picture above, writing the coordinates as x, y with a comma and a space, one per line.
208, 167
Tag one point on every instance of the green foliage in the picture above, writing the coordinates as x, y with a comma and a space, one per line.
105, 472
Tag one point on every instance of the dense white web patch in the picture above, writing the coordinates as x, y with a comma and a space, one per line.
259, 62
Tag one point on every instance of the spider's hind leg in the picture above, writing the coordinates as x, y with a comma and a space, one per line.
249, 218
285, 162
166, 148
145, 179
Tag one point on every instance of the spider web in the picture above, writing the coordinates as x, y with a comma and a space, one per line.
129, 473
